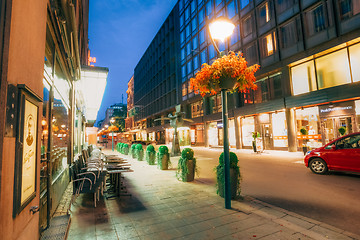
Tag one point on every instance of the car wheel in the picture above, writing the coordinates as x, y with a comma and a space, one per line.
318, 166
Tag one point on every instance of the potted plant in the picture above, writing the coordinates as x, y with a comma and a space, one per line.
150, 155
163, 158
304, 132
342, 130
139, 152
186, 166
228, 72
133, 150
255, 135
235, 176
125, 149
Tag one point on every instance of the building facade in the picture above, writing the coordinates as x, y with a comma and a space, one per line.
44, 108
307, 51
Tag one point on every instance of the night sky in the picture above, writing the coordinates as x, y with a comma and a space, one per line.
119, 33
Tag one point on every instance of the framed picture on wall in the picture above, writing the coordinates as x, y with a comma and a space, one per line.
26, 155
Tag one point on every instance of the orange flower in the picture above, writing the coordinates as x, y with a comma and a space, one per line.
234, 66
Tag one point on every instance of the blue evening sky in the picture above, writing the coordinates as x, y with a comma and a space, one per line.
119, 33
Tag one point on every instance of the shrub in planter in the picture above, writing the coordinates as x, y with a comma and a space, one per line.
118, 147
186, 166
342, 131
304, 132
125, 149
163, 158
150, 155
235, 176
139, 152
133, 150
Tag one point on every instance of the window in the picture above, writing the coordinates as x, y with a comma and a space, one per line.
193, 6
275, 86
182, 53
316, 21
268, 46
348, 8
183, 72
203, 57
182, 37
288, 34
250, 54
215, 103
247, 26
194, 24
189, 67
181, 4
349, 142
196, 62
209, 8
197, 109
202, 36
188, 49
235, 37
195, 44
333, 69
231, 9
184, 89
187, 13
181, 20
211, 52
303, 78
244, 3
187, 30
283, 5
201, 15
355, 62
264, 14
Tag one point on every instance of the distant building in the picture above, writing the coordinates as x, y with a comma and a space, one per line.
308, 52
109, 113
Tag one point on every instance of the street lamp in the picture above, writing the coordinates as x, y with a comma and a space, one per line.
220, 29
112, 121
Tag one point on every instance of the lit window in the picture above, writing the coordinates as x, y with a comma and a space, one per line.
267, 45
231, 9
244, 3
264, 13
209, 8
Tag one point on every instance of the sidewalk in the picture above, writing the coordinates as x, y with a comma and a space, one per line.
161, 207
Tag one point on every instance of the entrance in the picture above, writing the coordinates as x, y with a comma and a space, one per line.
330, 127
266, 136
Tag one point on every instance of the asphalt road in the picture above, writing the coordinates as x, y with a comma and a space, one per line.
285, 182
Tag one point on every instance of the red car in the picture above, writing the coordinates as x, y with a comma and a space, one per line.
342, 154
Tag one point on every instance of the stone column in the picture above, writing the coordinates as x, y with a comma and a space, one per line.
206, 128
290, 122
237, 132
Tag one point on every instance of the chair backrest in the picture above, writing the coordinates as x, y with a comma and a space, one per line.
85, 155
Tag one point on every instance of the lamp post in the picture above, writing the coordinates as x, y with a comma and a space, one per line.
220, 29
112, 121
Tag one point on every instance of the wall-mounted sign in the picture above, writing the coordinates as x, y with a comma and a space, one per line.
26, 148
337, 109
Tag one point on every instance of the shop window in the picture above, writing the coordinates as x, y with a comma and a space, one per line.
333, 69
247, 26
44, 134
268, 45
289, 34
355, 62
244, 3
316, 20
349, 8
247, 128
231, 9
308, 118
279, 127
303, 78
199, 134
283, 5
264, 14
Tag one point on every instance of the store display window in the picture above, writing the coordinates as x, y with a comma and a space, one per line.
247, 128
308, 119
279, 127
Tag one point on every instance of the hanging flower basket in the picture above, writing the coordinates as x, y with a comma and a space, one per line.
229, 72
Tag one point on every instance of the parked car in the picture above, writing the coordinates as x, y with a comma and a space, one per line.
341, 154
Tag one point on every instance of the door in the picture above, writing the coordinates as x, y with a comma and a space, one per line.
266, 136
330, 127
346, 155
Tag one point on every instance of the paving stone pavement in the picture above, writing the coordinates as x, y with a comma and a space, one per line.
161, 207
